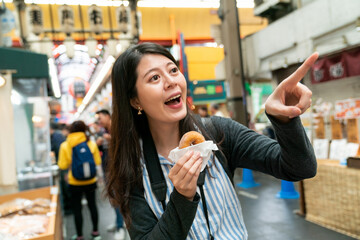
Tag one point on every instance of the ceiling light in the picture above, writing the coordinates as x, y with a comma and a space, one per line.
54, 78
100, 78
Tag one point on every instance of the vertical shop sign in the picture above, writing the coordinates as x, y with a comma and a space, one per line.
352, 130
319, 127
336, 130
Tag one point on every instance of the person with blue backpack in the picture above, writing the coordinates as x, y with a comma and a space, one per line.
81, 156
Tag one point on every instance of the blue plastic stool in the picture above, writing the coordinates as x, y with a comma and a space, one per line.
287, 191
247, 179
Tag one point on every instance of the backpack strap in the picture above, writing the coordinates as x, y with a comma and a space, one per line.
157, 180
213, 132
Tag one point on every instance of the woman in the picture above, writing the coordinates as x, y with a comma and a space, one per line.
149, 97
78, 188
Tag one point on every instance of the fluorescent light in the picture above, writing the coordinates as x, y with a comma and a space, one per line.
37, 119
99, 79
81, 109
54, 78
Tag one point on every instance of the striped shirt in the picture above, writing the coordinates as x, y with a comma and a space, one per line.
224, 210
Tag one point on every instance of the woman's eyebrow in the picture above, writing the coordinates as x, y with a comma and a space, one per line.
156, 68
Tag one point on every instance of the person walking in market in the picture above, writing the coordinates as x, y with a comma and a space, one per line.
81, 156
104, 120
150, 115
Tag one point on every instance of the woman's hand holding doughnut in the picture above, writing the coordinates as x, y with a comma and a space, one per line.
185, 173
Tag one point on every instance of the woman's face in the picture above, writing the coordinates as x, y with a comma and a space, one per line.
161, 89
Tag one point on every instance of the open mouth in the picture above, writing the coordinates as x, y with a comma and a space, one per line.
174, 100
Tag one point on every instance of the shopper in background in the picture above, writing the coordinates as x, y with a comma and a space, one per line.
65, 130
56, 139
97, 132
150, 110
215, 110
104, 120
203, 111
78, 188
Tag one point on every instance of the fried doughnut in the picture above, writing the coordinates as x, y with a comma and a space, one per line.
191, 138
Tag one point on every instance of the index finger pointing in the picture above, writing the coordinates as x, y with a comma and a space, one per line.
294, 78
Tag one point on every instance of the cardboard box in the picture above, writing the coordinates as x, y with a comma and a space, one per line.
54, 231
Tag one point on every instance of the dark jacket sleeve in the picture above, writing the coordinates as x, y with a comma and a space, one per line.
174, 224
291, 157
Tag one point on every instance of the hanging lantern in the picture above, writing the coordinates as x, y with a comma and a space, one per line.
66, 14
91, 44
123, 18
111, 45
78, 88
46, 46
36, 19
69, 43
95, 19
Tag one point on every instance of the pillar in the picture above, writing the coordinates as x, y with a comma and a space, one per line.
7, 138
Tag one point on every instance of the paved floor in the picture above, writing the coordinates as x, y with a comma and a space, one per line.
266, 217
269, 218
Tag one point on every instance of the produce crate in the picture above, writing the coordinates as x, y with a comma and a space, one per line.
332, 198
54, 230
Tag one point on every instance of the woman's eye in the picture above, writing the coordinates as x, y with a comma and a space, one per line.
154, 78
174, 70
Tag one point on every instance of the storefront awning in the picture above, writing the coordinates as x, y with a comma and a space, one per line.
27, 64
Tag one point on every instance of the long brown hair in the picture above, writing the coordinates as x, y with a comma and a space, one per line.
124, 169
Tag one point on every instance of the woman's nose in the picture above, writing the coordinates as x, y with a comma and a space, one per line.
170, 81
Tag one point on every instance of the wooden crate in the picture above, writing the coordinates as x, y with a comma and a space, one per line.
54, 231
332, 198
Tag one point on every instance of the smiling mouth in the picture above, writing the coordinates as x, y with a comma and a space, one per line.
174, 100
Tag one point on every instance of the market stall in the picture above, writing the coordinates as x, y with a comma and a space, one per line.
33, 214
333, 198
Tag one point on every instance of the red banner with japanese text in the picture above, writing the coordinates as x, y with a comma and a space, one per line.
342, 65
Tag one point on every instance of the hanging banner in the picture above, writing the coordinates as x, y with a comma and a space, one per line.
348, 108
346, 64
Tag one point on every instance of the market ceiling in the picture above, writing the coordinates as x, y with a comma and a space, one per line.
145, 3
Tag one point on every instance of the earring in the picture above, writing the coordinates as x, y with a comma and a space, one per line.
139, 112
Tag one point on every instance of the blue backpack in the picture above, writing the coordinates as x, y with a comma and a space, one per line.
83, 165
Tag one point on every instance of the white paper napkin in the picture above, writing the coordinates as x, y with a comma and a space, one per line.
205, 149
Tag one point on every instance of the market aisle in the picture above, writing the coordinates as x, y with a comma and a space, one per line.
269, 218
266, 217
106, 218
